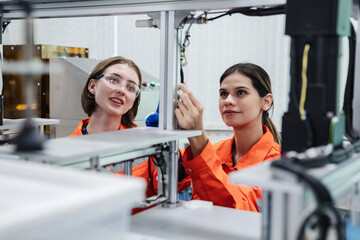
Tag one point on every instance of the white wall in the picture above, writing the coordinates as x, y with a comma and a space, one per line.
213, 48
104, 36
218, 45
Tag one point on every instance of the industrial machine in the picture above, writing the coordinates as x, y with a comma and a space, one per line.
311, 191
312, 130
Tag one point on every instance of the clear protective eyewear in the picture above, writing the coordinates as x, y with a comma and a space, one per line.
117, 81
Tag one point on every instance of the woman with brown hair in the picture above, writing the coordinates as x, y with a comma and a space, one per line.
111, 98
245, 98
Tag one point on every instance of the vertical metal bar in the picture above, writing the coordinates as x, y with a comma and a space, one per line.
169, 73
1, 78
173, 174
161, 190
163, 68
169, 77
294, 212
30, 138
41, 130
355, 208
356, 100
277, 221
128, 168
163, 82
266, 215
94, 163
28, 56
52, 131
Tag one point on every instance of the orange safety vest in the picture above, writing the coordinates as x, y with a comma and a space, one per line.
209, 172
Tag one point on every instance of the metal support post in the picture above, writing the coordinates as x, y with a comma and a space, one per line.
173, 174
170, 38
282, 213
266, 215
94, 163
1, 78
29, 139
169, 62
356, 100
128, 168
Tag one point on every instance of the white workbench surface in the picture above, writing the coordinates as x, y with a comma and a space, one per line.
195, 224
9, 124
76, 150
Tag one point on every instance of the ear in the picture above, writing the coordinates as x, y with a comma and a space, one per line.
91, 86
268, 99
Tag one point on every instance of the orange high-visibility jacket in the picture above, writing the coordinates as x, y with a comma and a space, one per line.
209, 172
143, 170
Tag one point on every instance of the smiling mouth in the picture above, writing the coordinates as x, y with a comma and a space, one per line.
117, 100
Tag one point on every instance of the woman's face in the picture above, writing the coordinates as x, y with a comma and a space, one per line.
114, 99
240, 104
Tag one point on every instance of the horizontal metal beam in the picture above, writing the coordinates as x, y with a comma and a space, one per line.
62, 8
343, 178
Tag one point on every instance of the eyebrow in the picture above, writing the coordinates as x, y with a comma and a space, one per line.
241, 87
118, 75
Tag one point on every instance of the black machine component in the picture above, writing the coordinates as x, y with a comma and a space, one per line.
350, 132
325, 214
313, 117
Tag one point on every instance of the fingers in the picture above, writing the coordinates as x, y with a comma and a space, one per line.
185, 102
179, 116
183, 119
183, 87
188, 102
182, 108
190, 110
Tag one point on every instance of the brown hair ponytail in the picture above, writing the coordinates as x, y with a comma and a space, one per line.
271, 126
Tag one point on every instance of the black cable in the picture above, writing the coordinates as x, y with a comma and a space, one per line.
258, 12
160, 162
349, 89
321, 193
5, 24
181, 74
219, 16
325, 210
245, 11
324, 213
186, 42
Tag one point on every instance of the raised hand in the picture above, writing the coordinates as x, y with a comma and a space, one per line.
190, 116
190, 111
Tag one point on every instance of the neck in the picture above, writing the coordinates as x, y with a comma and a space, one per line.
102, 123
245, 137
